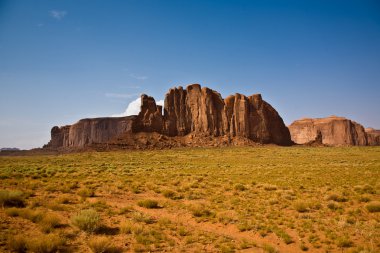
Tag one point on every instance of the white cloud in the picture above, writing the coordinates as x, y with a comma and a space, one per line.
134, 108
57, 14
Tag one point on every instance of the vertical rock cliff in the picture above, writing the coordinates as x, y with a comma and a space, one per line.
335, 131
199, 111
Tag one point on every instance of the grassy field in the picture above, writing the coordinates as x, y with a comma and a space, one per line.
262, 199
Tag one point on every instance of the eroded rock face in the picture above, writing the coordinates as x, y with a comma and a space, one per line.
90, 131
373, 136
201, 112
335, 131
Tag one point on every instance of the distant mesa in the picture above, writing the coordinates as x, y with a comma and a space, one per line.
333, 131
9, 149
193, 116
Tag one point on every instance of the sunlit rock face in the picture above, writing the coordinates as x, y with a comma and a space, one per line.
195, 110
333, 131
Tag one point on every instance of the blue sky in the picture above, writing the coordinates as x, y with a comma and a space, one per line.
61, 61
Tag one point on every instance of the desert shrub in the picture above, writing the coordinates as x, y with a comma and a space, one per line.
148, 203
126, 227
269, 248
99, 205
45, 243
87, 220
245, 225
273, 201
26, 213
17, 243
63, 200
269, 187
344, 242
333, 206
168, 194
86, 193
12, 198
182, 231
171, 194
301, 206
337, 198
373, 206
365, 189
149, 237
227, 217
201, 211
141, 217
49, 222
32, 215
101, 244
12, 212
303, 247
240, 187
364, 198
283, 235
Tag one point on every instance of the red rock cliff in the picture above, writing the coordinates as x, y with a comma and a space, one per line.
199, 111
335, 131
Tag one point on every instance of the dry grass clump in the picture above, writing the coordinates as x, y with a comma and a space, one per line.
141, 217
102, 244
26, 213
240, 187
301, 206
337, 198
201, 211
12, 198
148, 203
269, 187
269, 248
17, 243
87, 220
45, 243
86, 193
373, 206
49, 222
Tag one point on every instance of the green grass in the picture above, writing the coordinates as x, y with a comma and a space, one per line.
309, 199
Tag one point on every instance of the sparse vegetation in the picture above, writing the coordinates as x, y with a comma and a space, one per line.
373, 207
45, 243
87, 220
191, 199
101, 244
11, 198
148, 203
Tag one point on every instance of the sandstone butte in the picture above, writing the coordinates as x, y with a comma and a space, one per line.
333, 131
193, 116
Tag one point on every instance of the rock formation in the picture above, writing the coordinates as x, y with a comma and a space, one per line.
333, 131
373, 136
87, 132
195, 112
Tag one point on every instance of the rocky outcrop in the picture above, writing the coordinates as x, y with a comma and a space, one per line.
90, 131
203, 111
373, 136
333, 131
194, 111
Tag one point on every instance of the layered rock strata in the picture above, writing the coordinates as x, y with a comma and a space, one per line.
373, 136
199, 112
332, 131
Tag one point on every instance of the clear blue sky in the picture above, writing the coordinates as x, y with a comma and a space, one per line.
61, 61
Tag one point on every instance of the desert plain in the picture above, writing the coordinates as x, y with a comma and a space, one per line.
232, 199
